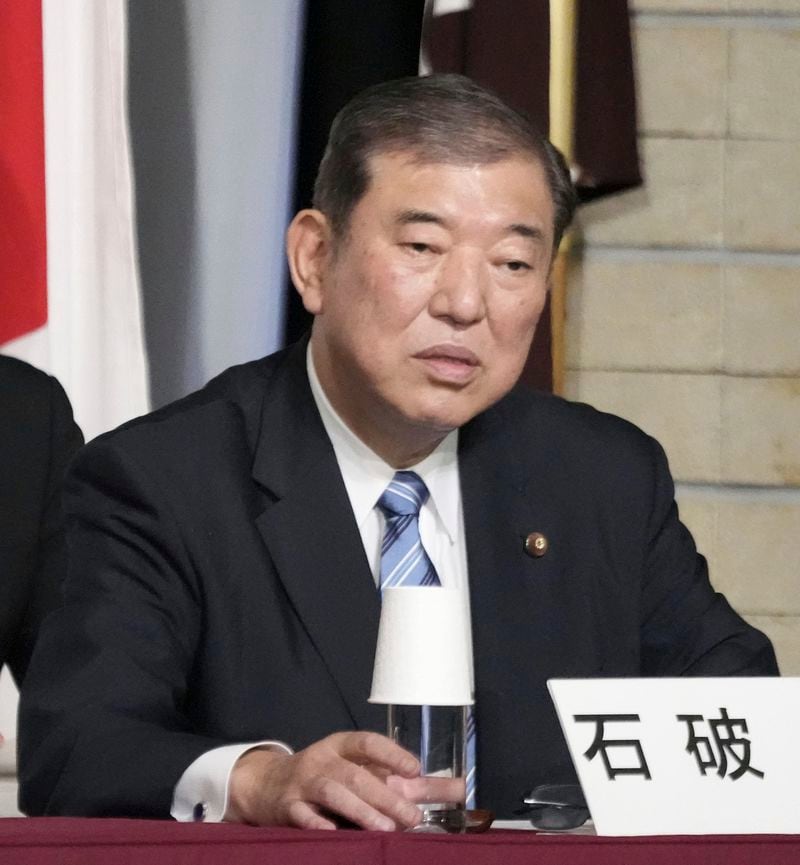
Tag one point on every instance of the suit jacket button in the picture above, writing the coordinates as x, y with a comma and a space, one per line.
536, 544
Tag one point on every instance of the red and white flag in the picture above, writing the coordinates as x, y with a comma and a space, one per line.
69, 283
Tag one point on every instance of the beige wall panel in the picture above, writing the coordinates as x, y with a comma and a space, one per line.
680, 204
752, 546
679, 5
760, 440
764, 76
681, 411
788, 6
762, 190
681, 79
784, 631
651, 316
755, 6
761, 320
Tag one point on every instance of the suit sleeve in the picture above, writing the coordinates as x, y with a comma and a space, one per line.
103, 727
47, 574
687, 628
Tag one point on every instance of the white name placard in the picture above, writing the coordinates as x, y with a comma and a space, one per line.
685, 756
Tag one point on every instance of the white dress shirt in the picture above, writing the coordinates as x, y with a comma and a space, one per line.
202, 791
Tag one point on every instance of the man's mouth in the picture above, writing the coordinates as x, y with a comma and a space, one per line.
450, 363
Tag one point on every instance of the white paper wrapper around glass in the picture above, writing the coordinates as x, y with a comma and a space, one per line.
422, 656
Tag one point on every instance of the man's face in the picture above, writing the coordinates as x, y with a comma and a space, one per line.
426, 309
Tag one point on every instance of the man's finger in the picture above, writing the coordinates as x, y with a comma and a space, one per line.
335, 797
366, 747
304, 816
374, 791
428, 789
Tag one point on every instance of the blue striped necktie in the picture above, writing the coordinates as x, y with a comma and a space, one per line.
404, 562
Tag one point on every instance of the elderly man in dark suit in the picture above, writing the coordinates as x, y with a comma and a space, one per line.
38, 437
215, 653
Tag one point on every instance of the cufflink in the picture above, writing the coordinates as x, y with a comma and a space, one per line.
199, 812
536, 545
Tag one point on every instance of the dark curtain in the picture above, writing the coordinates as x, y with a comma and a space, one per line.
349, 44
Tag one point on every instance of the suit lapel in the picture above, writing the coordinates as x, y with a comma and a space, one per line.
313, 540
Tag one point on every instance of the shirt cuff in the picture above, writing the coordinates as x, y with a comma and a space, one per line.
201, 793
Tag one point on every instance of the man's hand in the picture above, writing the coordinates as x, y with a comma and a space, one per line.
344, 774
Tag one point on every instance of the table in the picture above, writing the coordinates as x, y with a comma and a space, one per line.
79, 841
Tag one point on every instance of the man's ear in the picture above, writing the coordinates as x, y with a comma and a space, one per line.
309, 251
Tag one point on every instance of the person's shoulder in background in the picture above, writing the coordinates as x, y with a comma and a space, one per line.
38, 438
34, 409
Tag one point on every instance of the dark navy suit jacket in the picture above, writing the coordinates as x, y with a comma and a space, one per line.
219, 591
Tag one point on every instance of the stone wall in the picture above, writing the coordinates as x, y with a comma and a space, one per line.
684, 304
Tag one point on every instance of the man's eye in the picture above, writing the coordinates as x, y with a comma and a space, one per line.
516, 266
418, 247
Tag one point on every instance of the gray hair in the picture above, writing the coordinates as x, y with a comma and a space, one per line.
442, 118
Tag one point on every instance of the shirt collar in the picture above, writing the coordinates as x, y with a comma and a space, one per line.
366, 475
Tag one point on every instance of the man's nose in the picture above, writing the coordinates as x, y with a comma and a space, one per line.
460, 290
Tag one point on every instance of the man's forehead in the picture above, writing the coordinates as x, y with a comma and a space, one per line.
393, 172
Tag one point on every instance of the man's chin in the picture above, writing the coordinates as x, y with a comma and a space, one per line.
443, 419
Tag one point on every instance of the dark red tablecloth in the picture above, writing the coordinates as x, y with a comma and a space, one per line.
46, 841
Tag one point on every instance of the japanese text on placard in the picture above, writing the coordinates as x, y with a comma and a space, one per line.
720, 744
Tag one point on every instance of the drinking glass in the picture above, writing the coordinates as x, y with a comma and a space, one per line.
436, 736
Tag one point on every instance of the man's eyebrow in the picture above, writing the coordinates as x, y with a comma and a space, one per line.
406, 217
525, 230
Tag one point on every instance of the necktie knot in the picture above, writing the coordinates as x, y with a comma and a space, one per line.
404, 496
404, 561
